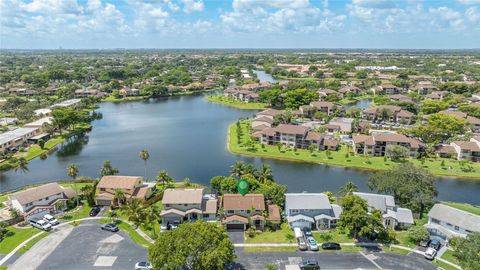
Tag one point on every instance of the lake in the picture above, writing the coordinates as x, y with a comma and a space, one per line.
187, 137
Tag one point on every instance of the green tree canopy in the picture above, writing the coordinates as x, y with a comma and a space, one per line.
193, 245
467, 250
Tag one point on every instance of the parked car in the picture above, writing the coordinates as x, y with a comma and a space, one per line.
435, 244
110, 227
41, 224
309, 265
307, 232
51, 219
430, 253
331, 246
425, 243
143, 266
95, 210
312, 244
302, 245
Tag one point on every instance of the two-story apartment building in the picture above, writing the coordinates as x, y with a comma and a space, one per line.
240, 211
393, 216
425, 87
376, 145
131, 187
388, 113
467, 150
296, 136
446, 222
12, 140
388, 89
323, 106
41, 200
311, 210
188, 204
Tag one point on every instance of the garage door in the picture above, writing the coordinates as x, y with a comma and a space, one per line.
301, 224
235, 227
103, 202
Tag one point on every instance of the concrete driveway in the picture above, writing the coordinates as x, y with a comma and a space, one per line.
236, 237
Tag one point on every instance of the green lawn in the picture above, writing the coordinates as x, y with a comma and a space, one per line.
270, 249
282, 235
396, 250
295, 79
404, 240
35, 150
81, 212
15, 237
444, 265
332, 236
137, 238
449, 255
228, 101
342, 157
31, 243
111, 98
465, 207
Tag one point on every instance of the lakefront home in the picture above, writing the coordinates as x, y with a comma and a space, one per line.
188, 204
39, 201
311, 210
393, 216
446, 222
376, 145
467, 150
388, 113
241, 211
132, 187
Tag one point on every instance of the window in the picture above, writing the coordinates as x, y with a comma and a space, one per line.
102, 189
457, 228
449, 224
248, 211
230, 212
206, 215
167, 205
295, 211
46, 198
435, 221
242, 211
468, 231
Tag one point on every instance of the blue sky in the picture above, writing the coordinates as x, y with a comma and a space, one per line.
90, 24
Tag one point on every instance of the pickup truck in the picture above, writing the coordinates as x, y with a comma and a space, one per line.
40, 224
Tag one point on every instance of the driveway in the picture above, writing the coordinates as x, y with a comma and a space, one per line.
88, 247
236, 237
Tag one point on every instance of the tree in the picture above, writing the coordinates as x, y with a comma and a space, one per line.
144, 155
417, 234
119, 196
41, 143
467, 251
440, 127
354, 215
163, 178
265, 174
22, 165
194, 245
152, 214
3, 229
107, 169
296, 98
347, 189
411, 186
112, 215
223, 184
396, 152
134, 211
72, 171
238, 169
271, 266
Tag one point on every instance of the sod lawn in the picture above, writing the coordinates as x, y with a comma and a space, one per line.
228, 101
342, 157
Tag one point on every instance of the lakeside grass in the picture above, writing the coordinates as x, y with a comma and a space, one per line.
343, 157
35, 150
465, 207
15, 236
228, 101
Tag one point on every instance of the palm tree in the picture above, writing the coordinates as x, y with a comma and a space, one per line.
144, 155
163, 178
22, 165
118, 196
238, 169
265, 174
152, 214
107, 169
72, 171
112, 215
348, 188
134, 210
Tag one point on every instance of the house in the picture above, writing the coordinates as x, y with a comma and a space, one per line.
311, 210
467, 150
446, 222
393, 216
323, 106
400, 98
43, 112
388, 113
269, 113
323, 93
5, 121
376, 145
436, 95
389, 89
132, 187
349, 89
425, 87
67, 103
38, 201
297, 137
188, 204
262, 122
11, 140
40, 123
344, 124
240, 211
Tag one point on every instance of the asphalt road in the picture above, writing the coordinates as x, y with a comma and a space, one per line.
89, 247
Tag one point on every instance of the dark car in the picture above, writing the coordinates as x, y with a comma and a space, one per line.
307, 232
110, 227
95, 210
309, 265
435, 244
331, 246
425, 243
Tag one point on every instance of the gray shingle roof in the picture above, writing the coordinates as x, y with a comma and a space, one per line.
307, 201
456, 217
379, 201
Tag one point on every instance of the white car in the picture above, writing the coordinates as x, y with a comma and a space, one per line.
143, 266
50, 219
41, 224
430, 253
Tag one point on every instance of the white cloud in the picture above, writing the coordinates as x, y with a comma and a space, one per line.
193, 5
469, 2
472, 14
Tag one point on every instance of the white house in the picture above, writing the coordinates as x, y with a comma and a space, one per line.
41, 200
446, 222
311, 210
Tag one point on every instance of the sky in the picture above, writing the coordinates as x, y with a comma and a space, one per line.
107, 24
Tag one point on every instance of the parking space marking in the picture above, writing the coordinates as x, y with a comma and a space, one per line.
294, 260
371, 258
292, 267
103, 261
113, 239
